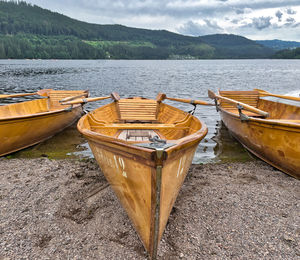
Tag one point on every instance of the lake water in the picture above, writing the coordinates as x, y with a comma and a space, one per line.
183, 79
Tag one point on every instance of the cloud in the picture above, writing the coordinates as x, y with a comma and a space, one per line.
290, 20
193, 17
235, 21
189, 9
295, 26
197, 29
279, 15
290, 11
261, 23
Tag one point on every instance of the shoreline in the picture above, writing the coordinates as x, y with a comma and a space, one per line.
65, 209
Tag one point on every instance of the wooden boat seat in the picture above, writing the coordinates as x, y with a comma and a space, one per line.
137, 109
247, 97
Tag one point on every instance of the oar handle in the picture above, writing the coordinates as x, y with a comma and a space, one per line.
17, 95
265, 94
41, 92
191, 101
162, 96
84, 100
245, 106
73, 97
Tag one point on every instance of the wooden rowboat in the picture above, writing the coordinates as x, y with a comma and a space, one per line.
270, 130
144, 148
27, 123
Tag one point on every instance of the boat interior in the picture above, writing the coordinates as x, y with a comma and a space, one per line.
276, 110
41, 105
139, 119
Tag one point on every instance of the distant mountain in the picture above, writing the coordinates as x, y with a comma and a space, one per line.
28, 31
279, 45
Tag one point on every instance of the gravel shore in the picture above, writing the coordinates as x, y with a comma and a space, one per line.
64, 209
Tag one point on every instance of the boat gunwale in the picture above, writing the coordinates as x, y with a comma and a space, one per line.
67, 109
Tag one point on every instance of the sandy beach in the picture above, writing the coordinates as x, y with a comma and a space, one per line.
65, 209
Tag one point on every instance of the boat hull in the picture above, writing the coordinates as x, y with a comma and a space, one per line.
24, 131
277, 143
146, 194
145, 175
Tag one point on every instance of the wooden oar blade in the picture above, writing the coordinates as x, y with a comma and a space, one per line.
42, 92
162, 96
200, 102
265, 93
17, 95
84, 100
85, 94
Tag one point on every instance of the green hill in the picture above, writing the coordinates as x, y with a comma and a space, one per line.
28, 31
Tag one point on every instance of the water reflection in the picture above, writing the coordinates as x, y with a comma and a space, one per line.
221, 147
228, 149
66, 144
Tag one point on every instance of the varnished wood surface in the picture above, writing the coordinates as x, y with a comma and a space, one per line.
275, 140
28, 123
132, 170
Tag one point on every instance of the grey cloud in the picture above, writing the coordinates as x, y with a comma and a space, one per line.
290, 20
239, 11
290, 11
180, 8
235, 21
296, 25
279, 15
260, 23
196, 29
168, 14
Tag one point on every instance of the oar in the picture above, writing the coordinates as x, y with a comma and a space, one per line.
265, 94
85, 94
162, 96
84, 100
212, 95
42, 92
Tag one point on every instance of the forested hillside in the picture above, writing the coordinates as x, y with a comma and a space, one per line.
28, 31
287, 54
234, 46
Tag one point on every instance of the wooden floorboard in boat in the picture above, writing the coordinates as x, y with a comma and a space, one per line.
137, 134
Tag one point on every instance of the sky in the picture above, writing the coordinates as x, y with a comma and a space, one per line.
254, 19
